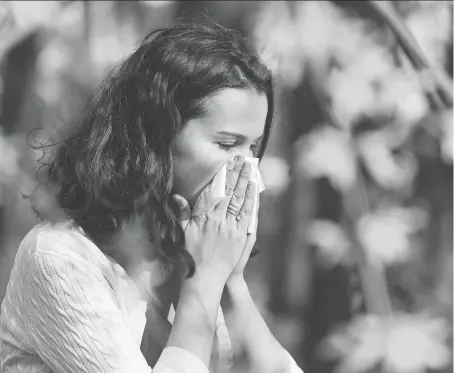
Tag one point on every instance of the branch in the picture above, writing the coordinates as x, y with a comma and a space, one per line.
433, 76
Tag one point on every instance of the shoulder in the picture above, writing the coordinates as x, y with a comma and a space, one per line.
61, 245
61, 263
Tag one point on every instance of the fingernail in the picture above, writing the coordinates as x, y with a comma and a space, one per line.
230, 165
239, 159
250, 187
247, 166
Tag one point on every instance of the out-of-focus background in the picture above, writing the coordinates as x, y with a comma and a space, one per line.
355, 269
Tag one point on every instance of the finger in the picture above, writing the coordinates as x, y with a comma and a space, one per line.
238, 195
234, 174
230, 168
183, 209
231, 183
250, 244
245, 213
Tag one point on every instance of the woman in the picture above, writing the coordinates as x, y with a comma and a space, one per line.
188, 100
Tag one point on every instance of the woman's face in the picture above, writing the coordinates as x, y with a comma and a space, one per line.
233, 124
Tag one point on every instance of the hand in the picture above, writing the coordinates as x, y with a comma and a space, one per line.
217, 239
238, 271
237, 274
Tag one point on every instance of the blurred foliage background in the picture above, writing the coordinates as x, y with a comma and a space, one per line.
355, 269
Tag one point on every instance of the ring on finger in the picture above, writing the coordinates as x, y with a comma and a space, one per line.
243, 212
229, 190
237, 198
233, 210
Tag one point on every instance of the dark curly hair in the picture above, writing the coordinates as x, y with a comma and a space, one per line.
118, 165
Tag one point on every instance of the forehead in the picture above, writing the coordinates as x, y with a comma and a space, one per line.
236, 110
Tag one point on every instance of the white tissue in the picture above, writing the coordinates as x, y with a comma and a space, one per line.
215, 191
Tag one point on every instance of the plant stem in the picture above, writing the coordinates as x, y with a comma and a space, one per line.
356, 204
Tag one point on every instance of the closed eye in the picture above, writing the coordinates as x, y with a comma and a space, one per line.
238, 140
229, 146
225, 146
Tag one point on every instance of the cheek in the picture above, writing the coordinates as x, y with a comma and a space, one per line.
195, 166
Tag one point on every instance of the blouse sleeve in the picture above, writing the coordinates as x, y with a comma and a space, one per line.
76, 326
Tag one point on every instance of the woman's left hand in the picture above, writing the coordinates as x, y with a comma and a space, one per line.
237, 276
238, 272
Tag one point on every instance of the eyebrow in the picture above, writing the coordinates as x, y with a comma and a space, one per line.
238, 135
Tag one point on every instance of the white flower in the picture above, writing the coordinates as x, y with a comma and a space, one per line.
386, 235
412, 107
386, 169
277, 39
275, 173
71, 20
53, 61
400, 92
351, 96
324, 30
372, 63
333, 246
316, 25
326, 152
110, 41
353, 88
371, 84
416, 343
29, 14
403, 344
55, 58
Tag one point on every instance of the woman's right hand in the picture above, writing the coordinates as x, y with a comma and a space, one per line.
216, 239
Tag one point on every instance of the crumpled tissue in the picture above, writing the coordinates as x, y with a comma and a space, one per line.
215, 191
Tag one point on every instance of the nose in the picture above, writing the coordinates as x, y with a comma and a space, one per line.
245, 153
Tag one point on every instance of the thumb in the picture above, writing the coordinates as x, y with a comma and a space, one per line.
183, 209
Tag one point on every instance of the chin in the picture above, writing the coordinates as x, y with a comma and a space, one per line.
192, 198
192, 194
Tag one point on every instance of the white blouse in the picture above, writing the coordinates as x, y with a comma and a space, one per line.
69, 308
